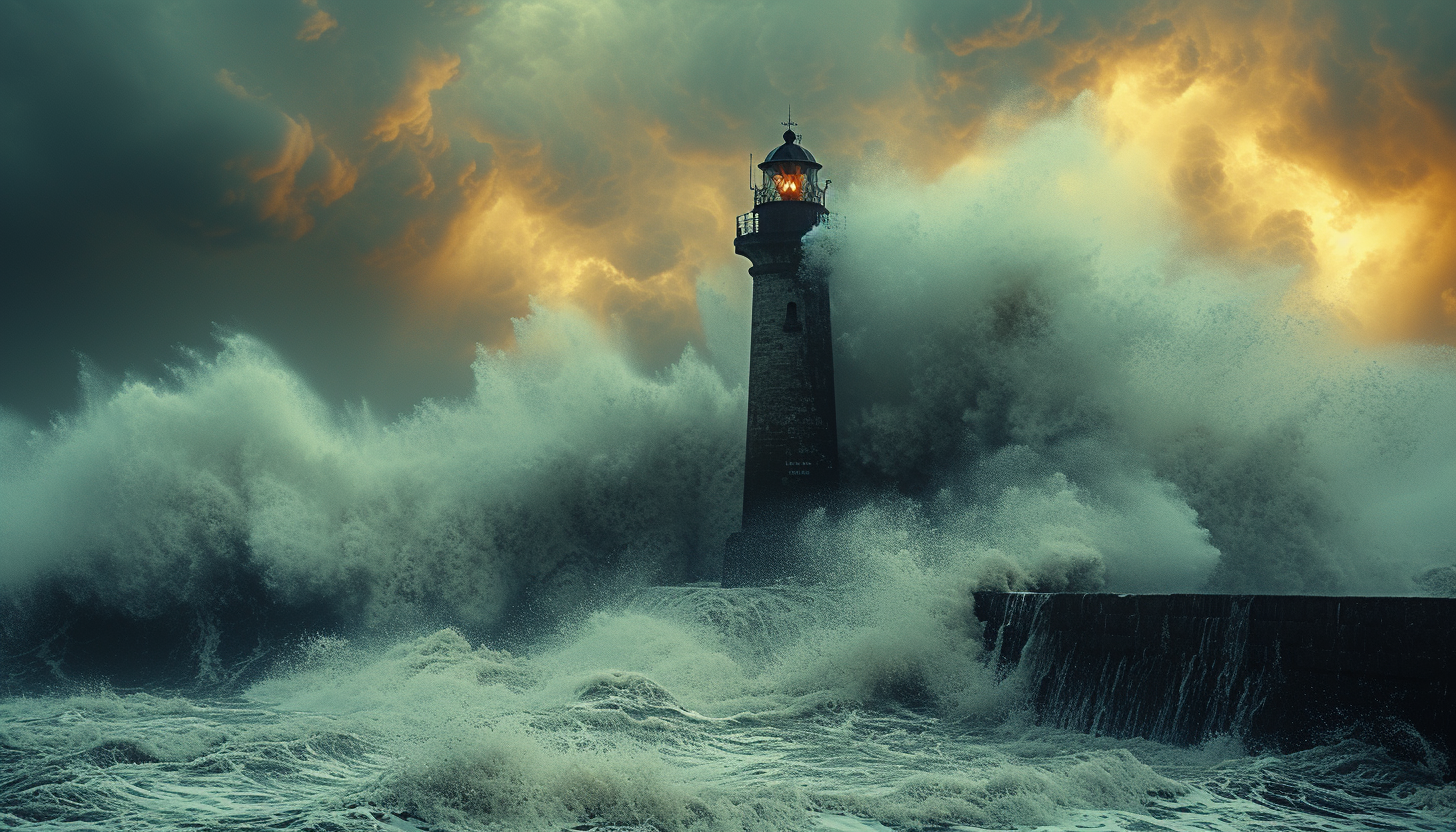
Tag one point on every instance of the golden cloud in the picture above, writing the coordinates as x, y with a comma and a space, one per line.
504, 241
1291, 133
411, 111
317, 23
303, 172
314, 27
1012, 30
229, 82
541, 151
605, 175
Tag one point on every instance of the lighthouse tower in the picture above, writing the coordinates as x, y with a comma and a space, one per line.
791, 465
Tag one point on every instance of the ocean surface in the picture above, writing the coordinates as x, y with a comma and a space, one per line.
681, 708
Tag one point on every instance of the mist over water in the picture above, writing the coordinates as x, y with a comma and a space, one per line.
1041, 386
566, 473
1031, 349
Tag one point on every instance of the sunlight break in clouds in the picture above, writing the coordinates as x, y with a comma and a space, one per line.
468, 157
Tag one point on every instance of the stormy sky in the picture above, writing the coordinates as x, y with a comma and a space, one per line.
373, 187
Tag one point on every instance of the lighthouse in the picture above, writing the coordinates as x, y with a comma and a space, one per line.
791, 460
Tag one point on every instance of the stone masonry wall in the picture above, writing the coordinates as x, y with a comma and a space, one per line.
1279, 671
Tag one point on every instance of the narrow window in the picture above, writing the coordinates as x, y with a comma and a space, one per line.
791, 318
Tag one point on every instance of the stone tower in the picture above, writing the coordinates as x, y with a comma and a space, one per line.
791, 465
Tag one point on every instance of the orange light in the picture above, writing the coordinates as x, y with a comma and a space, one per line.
790, 183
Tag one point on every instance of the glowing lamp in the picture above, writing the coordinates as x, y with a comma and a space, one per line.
789, 181
790, 174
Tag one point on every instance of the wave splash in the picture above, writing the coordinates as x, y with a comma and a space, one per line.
1035, 352
1040, 388
565, 474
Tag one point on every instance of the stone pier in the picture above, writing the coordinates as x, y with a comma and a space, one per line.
1278, 671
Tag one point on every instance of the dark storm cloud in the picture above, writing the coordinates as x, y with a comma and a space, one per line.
328, 176
178, 114
100, 122
374, 187
158, 157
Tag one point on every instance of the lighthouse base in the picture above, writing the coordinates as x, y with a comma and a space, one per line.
769, 550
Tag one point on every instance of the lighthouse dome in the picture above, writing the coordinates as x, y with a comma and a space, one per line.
789, 151
789, 174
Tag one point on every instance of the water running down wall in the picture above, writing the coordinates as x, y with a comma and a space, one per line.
1278, 671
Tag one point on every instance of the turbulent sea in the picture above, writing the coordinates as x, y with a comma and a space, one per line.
689, 708
228, 604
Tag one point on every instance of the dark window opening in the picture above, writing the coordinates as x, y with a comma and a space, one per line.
791, 318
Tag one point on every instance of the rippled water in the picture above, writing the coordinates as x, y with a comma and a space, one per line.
649, 718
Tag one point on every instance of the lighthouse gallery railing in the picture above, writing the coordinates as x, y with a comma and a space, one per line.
748, 223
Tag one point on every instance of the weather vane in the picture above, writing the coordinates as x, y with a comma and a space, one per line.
791, 124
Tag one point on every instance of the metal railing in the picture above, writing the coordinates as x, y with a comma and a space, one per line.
748, 223
812, 193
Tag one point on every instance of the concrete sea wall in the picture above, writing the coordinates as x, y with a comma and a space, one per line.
1282, 672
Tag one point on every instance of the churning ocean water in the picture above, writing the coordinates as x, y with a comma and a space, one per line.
687, 708
228, 604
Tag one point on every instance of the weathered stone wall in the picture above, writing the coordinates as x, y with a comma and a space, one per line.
791, 461
1280, 671
792, 443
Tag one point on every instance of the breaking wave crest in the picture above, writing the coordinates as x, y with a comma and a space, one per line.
1040, 388
666, 711
1031, 350
567, 473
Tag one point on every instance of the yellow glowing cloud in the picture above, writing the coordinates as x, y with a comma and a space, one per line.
283, 193
411, 110
502, 246
1013, 30
1290, 133
1245, 165
317, 23
541, 151
229, 82
614, 173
